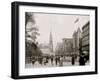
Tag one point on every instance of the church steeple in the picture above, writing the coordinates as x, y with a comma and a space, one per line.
51, 42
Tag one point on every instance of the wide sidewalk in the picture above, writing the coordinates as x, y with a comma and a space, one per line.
49, 64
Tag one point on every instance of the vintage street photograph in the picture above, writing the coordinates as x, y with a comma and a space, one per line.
56, 40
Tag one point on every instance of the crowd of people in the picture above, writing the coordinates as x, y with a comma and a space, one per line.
44, 60
59, 60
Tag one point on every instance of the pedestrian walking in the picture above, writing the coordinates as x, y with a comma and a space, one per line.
44, 60
56, 60
82, 59
61, 61
51, 60
40, 60
73, 59
33, 60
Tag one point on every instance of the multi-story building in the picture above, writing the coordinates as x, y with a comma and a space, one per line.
76, 41
85, 38
59, 49
67, 45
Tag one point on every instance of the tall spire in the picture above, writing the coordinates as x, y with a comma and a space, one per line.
51, 42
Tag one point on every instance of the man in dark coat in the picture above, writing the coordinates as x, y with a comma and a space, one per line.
73, 60
82, 59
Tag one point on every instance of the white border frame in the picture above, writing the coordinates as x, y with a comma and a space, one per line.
53, 70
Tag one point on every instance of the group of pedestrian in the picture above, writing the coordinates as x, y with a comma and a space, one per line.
54, 60
44, 60
82, 59
59, 60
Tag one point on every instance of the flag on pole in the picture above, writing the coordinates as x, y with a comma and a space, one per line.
76, 20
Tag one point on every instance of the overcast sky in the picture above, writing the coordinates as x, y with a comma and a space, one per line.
62, 26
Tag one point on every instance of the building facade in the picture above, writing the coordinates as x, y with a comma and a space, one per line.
76, 41
67, 46
59, 49
85, 38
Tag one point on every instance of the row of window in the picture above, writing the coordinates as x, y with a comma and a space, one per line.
86, 28
85, 33
85, 43
85, 48
85, 38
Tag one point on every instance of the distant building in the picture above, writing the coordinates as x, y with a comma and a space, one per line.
44, 49
85, 38
67, 45
76, 41
59, 49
